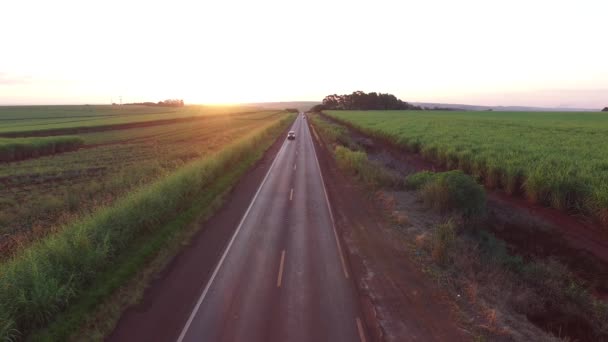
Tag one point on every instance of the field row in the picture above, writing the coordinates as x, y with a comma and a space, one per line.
25, 148
37, 195
558, 159
51, 274
32, 119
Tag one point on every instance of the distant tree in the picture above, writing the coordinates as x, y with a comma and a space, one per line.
292, 110
166, 103
359, 100
605, 109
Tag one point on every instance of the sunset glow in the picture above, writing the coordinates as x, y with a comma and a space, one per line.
539, 53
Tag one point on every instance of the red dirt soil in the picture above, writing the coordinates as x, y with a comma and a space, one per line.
401, 303
580, 233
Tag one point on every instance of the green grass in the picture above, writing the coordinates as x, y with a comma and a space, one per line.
443, 241
452, 190
31, 119
144, 248
350, 157
43, 279
38, 195
334, 134
557, 159
357, 163
12, 149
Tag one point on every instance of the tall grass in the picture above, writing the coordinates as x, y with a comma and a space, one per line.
12, 149
43, 279
359, 165
334, 134
557, 159
452, 190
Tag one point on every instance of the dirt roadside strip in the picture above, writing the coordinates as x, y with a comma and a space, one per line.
506, 247
400, 303
578, 232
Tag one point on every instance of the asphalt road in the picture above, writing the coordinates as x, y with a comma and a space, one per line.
282, 276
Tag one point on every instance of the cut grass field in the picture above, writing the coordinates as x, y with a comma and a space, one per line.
38, 195
37, 120
12, 149
43, 278
557, 159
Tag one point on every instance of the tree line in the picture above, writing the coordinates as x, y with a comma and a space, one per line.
605, 109
166, 103
360, 100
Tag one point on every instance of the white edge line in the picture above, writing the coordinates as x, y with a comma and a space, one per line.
331, 215
281, 265
219, 264
360, 329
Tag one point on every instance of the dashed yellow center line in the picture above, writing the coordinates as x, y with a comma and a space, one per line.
280, 276
291, 194
360, 330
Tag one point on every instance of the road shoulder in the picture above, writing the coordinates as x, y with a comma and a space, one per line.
169, 299
398, 299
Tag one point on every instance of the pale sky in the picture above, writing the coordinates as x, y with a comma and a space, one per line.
533, 52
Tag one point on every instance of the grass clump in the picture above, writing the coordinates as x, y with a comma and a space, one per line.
335, 134
359, 165
419, 179
452, 190
443, 241
42, 280
12, 149
555, 159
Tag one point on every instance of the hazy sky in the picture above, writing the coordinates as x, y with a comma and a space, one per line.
533, 52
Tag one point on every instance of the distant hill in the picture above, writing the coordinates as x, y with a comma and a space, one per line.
306, 105
301, 105
503, 108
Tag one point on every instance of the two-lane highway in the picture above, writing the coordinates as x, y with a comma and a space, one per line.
282, 276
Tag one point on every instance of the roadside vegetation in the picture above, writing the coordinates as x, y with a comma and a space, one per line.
556, 159
505, 292
45, 277
503, 286
12, 149
352, 158
451, 190
39, 195
359, 165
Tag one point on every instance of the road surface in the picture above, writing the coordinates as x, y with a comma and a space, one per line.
282, 276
